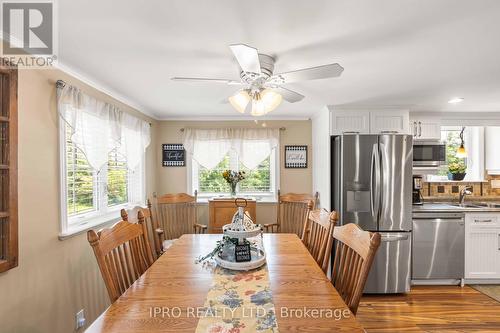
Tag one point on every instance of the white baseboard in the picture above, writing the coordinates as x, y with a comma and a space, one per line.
436, 282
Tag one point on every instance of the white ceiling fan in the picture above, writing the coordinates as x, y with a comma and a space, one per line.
260, 84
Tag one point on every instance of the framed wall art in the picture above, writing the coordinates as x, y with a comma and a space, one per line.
173, 155
296, 157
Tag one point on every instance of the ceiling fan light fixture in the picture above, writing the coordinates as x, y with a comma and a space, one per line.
258, 107
461, 152
271, 99
456, 100
240, 100
257, 73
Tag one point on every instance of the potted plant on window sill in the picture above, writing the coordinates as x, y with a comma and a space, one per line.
456, 171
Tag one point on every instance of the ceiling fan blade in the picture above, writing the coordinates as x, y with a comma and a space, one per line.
201, 79
247, 57
289, 95
313, 73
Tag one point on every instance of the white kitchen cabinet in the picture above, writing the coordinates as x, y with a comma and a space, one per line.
425, 128
369, 121
492, 142
395, 121
349, 121
482, 246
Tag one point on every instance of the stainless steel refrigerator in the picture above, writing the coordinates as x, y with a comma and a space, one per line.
372, 187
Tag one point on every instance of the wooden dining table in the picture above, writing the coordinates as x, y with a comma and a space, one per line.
175, 281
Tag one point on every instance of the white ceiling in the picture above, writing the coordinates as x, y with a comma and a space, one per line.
415, 53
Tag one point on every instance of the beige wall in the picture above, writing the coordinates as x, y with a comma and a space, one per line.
174, 179
54, 278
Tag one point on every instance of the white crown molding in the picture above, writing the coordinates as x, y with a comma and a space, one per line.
105, 89
233, 118
369, 107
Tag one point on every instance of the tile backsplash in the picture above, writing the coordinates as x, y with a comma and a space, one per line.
452, 189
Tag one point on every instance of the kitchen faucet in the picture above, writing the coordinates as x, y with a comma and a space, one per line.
467, 190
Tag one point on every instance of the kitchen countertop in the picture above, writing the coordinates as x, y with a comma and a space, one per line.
454, 207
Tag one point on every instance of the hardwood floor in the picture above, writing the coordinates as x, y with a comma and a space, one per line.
430, 309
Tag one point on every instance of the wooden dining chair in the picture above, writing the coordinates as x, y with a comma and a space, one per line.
293, 210
151, 225
123, 254
177, 215
354, 253
318, 236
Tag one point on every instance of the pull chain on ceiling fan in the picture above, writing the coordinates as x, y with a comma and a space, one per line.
262, 87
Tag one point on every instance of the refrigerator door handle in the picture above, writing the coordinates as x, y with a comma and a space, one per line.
372, 178
375, 182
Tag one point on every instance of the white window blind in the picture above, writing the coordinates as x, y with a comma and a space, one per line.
259, 182
80, 180
117, 179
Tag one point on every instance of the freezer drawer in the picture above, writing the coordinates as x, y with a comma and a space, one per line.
390, 272
438, 248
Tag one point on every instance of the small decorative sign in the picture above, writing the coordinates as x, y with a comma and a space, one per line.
173, 155
242, 252
296, 157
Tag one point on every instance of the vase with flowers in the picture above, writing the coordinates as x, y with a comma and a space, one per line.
233, 178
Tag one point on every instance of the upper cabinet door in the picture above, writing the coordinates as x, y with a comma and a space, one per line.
349, 121
390, 121
492, 140
427, 128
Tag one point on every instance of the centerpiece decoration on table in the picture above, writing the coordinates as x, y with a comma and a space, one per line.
241, 247
233, 178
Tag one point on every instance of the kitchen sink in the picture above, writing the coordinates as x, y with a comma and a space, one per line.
477, 205
489, 204
468, 205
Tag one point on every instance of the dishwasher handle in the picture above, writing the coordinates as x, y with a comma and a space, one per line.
460, 221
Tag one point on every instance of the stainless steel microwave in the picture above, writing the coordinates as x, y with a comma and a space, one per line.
429, 154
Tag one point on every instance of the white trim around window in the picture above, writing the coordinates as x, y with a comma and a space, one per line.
192, 181
79, 223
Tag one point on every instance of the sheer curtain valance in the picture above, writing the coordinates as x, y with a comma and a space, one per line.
97, 128
209, 146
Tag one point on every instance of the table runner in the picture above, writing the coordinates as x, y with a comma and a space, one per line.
239, 302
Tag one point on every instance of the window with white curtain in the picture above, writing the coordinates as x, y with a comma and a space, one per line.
259, 181
102, 160
255, 151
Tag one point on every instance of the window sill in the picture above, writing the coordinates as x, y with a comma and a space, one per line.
260, 200
94, 223
457, 181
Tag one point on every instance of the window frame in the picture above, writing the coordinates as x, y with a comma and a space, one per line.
272, 196
11, 237
480, 177
103, 214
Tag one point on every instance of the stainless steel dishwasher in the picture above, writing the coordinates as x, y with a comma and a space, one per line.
438, 247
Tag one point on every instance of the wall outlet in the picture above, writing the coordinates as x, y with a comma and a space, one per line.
80, 319
495, 183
